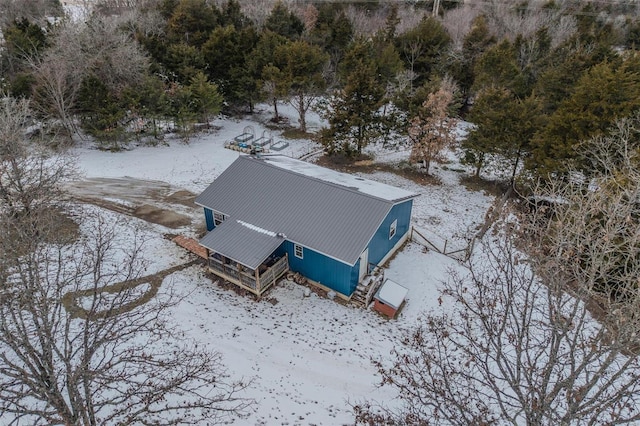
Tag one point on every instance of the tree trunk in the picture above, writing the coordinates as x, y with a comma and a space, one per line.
515, 168
302, 113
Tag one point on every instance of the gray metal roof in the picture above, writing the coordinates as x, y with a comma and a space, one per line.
333, 219
244, 244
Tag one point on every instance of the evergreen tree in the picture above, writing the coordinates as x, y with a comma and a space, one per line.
273, 87
391, 23
421, 48
181, 61
461, 65
231, 14
565, 65
387, 58
226, 53
498, 67
167, 7
147, 104
504, 128
607, 92
354, 112
22, 39
332, 31
191, 22
262, 64
284, 22
102, 114
632, 39
301, 65
181, 108
207, 101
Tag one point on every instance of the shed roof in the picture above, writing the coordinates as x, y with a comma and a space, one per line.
242, 242
320, 209
391, 293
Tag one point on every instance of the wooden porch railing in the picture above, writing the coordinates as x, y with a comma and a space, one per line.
253, 281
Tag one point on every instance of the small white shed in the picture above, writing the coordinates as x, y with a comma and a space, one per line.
389, 298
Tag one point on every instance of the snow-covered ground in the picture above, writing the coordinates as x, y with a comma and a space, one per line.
308, 357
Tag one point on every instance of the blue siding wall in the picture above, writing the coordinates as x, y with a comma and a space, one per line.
320, 268
208, 217
380, 243
332, 273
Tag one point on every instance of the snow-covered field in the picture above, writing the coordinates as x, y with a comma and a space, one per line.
308, 357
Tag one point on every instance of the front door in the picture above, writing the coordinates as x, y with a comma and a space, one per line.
364, 264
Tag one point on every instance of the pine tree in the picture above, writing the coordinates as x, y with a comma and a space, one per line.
301, 65
332, 30
226, 52
498, 67
354, 112
504, 128
607, 92
191, 22
284, 22
263, 66
207, 101
421, 48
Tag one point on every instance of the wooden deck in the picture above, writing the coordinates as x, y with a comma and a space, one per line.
191, 245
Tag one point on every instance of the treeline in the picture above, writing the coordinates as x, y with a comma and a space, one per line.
536, 78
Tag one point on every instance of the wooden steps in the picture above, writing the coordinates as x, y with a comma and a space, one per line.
366, 289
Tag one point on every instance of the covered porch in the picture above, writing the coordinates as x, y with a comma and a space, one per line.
245, 255
256, 281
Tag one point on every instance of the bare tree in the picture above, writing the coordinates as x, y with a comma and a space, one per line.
98, 47
80, 345
57, 75
432, 129
507, 21
602, 205
409, 18
33, 10
458, 23
111, 54
547, 338
366, 22
31, 176
510, 350
309, 17
83, 340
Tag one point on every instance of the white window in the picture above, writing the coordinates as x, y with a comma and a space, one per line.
298, 251
218, 218
392, 229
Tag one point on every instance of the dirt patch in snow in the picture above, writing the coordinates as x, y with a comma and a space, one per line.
161, 216
365, 165
72, 300
152, 201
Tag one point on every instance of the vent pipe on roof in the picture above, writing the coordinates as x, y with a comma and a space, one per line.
281, 235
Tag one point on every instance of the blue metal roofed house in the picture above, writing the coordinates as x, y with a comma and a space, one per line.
272, 214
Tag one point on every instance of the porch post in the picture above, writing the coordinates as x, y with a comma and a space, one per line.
257, 275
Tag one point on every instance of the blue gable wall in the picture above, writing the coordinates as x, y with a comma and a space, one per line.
322, 269
208, 217
380, 244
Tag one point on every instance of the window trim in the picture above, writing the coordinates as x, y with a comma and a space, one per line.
393, 228
298, 251
218, 217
